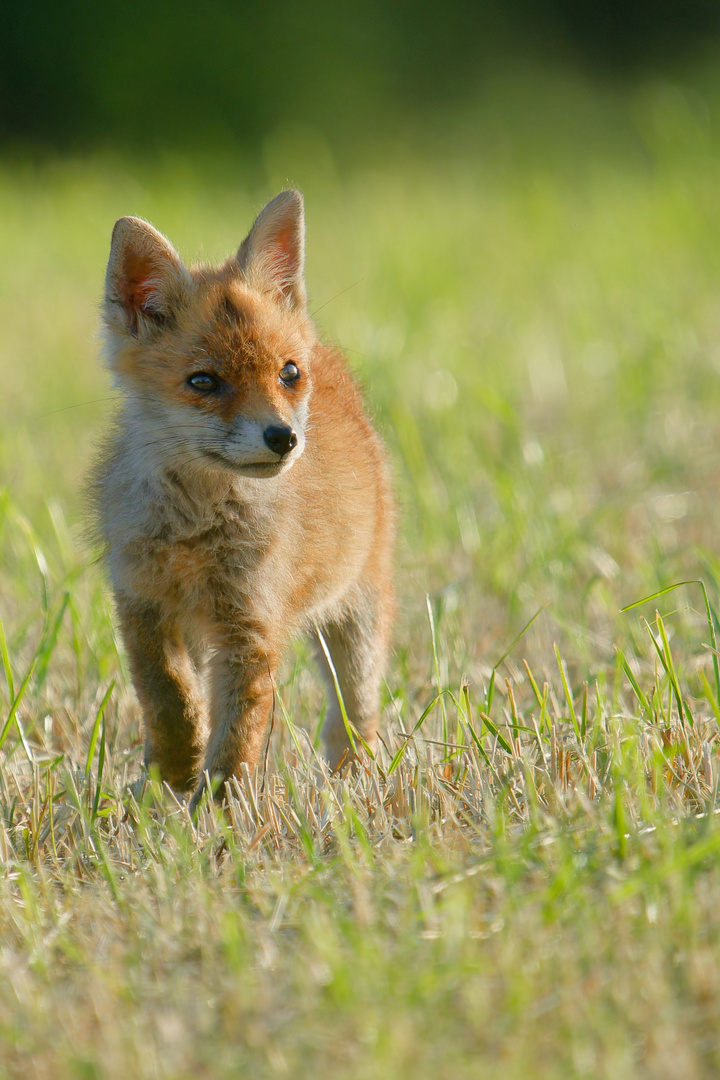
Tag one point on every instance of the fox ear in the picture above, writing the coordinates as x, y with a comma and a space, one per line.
146, 281
272, 255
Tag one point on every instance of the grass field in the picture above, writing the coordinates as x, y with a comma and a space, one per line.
526, 882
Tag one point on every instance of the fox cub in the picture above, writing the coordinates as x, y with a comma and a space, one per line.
243, 497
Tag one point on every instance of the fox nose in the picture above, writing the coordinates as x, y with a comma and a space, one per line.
280, 438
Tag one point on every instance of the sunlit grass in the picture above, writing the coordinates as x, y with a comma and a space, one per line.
524, 883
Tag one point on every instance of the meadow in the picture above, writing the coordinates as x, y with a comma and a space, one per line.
525, 882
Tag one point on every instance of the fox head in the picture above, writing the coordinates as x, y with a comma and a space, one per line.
215, 362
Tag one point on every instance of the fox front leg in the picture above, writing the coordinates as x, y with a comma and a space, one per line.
242, 682
169, 692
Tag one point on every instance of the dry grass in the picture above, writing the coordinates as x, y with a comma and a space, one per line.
536, 891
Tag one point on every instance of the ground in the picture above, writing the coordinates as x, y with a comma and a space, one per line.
525, 882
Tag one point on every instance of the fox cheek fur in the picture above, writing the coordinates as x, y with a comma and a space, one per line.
243, 497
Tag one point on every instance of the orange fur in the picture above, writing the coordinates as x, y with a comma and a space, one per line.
241, 508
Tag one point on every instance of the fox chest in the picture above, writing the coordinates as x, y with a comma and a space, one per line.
199, 572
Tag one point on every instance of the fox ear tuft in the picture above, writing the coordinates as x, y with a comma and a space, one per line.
146, 281
272, 255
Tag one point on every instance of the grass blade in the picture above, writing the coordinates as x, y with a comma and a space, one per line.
352, 732
47, 646
96, 728
12, 715
440, 697
709, 613
566, 688
5, 655
398, 756
633, 681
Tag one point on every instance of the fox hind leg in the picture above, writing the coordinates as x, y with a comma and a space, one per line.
358, 646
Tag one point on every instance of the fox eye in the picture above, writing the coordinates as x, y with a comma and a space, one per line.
203, 382
289, 373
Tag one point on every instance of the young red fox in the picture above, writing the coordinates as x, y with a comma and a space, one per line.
244, 497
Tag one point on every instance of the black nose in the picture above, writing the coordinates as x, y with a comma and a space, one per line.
280, 439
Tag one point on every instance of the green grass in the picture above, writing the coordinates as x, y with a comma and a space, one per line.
526, 882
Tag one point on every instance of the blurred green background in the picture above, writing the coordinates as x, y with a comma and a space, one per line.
221, 73
512, 231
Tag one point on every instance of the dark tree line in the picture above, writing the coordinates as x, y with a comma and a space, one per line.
166, 71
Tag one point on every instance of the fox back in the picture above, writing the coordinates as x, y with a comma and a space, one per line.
243, 497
